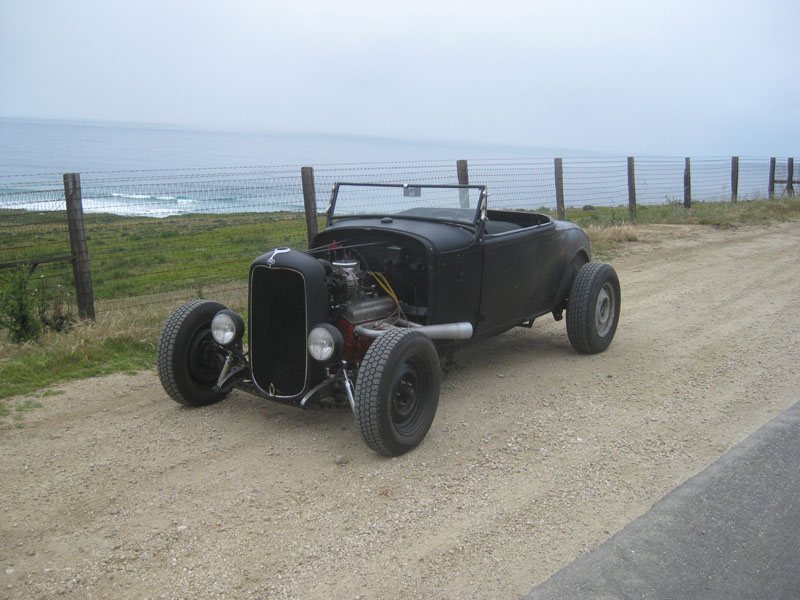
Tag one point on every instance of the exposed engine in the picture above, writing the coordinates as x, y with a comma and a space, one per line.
345, 279
356, 295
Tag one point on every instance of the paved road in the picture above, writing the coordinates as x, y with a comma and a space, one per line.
731, 532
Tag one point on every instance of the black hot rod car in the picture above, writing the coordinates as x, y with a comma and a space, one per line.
401, 276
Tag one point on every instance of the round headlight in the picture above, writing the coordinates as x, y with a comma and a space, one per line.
227, 327
325, 343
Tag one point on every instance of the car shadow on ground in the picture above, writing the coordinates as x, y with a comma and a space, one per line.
517, 348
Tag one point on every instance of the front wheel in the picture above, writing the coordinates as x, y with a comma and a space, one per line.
189, 361
397, 391
593, 308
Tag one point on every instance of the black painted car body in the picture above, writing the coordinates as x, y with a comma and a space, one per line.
401, 275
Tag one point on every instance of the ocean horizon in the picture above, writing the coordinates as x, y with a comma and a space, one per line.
159, 171
61, 146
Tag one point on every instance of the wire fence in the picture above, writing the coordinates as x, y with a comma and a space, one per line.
162, 237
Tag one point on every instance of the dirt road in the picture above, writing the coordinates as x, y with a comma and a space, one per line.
537, 454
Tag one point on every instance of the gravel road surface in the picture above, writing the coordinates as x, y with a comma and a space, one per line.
537, 454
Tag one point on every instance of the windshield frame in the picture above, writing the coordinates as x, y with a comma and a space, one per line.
479, 212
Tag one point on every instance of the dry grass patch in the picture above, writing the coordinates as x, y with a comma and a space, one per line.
602, 234
606, 239
114, 343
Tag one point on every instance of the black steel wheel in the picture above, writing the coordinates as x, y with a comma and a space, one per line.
593, 308
397, 391
189, 361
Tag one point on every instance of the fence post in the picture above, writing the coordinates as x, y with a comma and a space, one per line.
84, 292
734, 178
631, 189
310, 202
463, 172
463, 179
790, 177
560, 188
687, 184
771, 185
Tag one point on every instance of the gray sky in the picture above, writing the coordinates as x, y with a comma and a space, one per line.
701, 78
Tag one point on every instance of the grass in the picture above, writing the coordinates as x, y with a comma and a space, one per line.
23, 407
113, 344
606, 240
136, 256
179, 258
744, 212
88, 350
610, 227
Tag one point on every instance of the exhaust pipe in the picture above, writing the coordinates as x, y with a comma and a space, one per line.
445, 331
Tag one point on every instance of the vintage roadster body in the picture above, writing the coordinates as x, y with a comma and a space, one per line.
401, 277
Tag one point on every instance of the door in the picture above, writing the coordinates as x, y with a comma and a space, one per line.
512, 286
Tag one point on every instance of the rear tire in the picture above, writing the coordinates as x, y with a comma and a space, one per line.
593, 308
397, 391
189, 361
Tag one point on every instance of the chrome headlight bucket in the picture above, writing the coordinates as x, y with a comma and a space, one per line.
227, 328
325, 343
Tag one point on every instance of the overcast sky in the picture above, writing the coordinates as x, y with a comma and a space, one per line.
701, 78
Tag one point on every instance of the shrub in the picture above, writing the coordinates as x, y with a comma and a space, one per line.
55, 310
18, 306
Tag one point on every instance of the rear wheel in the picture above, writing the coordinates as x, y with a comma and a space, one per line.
189, 361
593, 308
397, 391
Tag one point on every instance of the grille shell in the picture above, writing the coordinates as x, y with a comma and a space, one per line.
278, 331
287, 298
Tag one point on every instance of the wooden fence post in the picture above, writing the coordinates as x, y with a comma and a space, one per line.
559, 167
687, 184
789, 177
734, 178
84, 292
310, 202
463, 172
463, 179
631, 189
771, 184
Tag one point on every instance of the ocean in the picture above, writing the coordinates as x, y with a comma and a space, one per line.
42, 146
158, 171
161, 171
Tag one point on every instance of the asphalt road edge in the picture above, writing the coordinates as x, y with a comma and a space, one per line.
731, 531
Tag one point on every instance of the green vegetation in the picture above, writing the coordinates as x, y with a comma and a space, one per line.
26, 311
22, 407
721, 214
142, 268
17, 307
88, 350
610, 227
139, 256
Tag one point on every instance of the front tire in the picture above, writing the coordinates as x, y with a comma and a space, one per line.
189, 361
397, 391
593, 308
